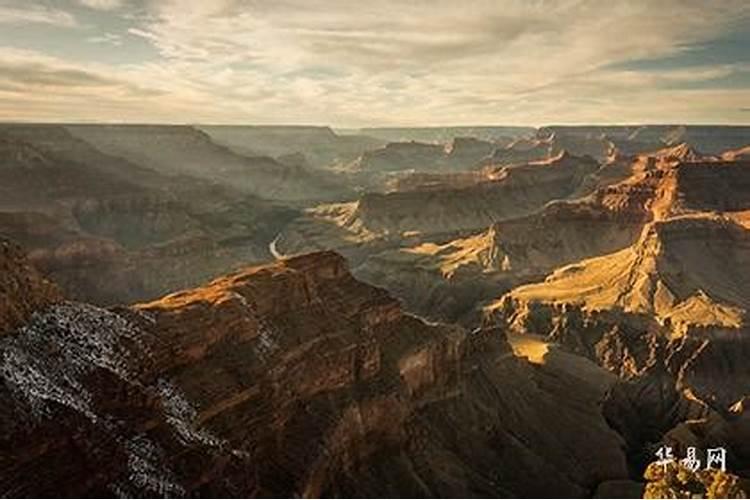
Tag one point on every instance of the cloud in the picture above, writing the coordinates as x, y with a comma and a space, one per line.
31, 74
35, 14
101, 4
107, 39
35, 86
425, 61
422, 62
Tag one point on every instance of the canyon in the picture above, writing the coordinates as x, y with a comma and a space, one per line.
280, 311
285, 379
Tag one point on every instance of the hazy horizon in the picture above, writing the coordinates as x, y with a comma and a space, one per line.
337, 128
382, 64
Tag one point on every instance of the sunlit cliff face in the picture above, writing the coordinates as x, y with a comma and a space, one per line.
350, 64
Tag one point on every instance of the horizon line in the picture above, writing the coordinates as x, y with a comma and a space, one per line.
373, 127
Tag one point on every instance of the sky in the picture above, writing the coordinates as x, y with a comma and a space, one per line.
358, 63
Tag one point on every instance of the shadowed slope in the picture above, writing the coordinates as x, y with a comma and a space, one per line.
283, 380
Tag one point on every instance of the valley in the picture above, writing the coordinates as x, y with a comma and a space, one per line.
284, 311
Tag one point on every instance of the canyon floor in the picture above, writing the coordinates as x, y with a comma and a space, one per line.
437, 312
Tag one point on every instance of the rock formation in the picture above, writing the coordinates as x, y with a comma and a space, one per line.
22, 289
667, 314
584, 289
402, 156
87, 218
184, 150
498, 193
323, 147
711, 139
446, 280
444, 135
283, 380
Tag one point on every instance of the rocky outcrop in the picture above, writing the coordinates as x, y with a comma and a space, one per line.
613, 216
503, 193
283, 380
402, 156
670, 299
523, 150
22, 289
737, 154
437, 214
668, 315
447, 280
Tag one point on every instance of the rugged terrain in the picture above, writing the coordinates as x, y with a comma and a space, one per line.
23, 290
447, 279
667, 313
321, 147
442, 207
283, 380
609, 208
184, 150
384, 312
110, 230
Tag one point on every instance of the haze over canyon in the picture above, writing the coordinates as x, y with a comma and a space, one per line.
385, 249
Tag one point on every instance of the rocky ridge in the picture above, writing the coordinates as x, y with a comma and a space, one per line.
390, 219
668, 313
86, 218
282, 380
22, 289
185, 150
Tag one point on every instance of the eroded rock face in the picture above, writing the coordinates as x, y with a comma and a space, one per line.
402, 156
502, 194
447, 280
680, 288
22, 289
391, 219
86, 412
288, 379
668, 313
676, 298
108, 230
